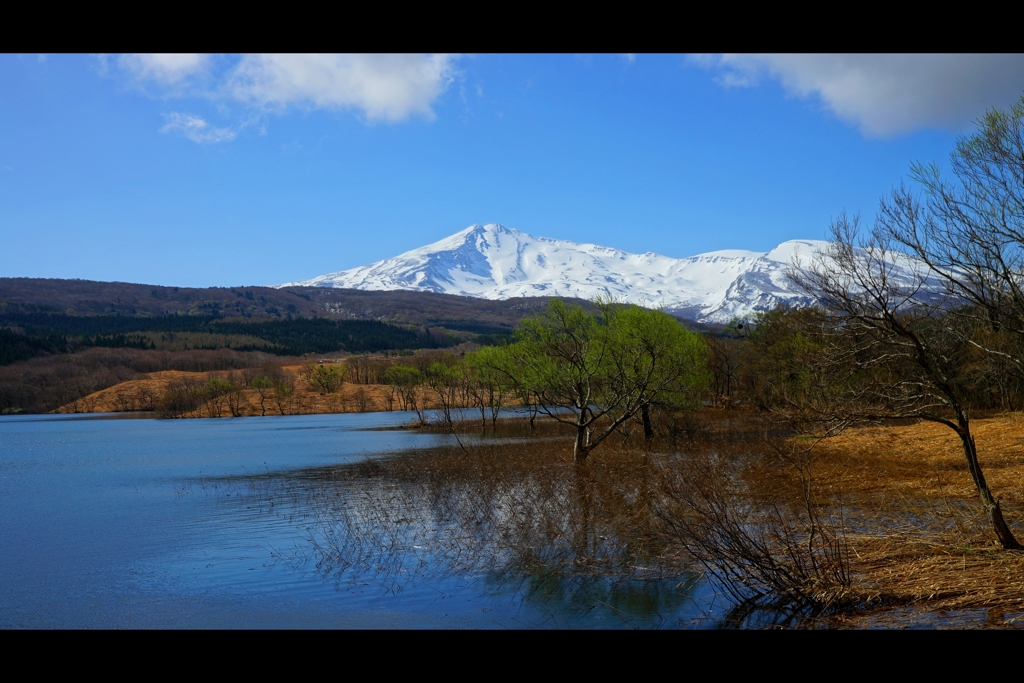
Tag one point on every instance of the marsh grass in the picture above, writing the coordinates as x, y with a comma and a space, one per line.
781, 557
919, 535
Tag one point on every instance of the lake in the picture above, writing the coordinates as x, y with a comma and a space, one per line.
277, 522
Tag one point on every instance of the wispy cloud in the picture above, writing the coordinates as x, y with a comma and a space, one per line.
164, 69
382, 87
884, 95
196, 129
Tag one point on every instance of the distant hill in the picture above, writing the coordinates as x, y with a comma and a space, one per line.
47, 316
90, 298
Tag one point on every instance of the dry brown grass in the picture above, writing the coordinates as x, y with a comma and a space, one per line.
143, 395
917, 532
136, 394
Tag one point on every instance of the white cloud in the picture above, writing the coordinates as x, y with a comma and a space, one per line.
165, 69
382, 87
197, 129
885, 95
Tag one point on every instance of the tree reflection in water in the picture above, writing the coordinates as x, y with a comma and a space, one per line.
513, 519
729, 516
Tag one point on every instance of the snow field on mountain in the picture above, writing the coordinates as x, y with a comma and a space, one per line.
496, 262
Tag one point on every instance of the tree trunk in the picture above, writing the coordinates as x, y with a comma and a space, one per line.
992, 510
645, 414
581, 448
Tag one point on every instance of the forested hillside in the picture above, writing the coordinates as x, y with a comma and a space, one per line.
87, 298
60, 332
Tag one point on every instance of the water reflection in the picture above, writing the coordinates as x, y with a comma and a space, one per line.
331, 521
564, 546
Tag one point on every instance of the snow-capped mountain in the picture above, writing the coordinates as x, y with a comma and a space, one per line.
495, 262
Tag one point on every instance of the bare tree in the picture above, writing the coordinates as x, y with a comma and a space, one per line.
236, 401
445, 381
888, 346
969, 231
763, 555
724, 363
362, 400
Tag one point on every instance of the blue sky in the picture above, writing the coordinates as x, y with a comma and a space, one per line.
232, 170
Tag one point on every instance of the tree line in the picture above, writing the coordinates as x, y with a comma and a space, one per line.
28, 334
193, 397
48, 382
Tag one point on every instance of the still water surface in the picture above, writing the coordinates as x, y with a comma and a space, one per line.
142, 523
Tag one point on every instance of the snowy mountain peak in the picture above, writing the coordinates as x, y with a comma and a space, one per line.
475, 236
496, 262
804, 250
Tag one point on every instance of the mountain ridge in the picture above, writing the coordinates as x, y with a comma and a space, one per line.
496, 262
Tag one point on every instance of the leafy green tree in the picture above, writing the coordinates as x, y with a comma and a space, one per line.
405, 381
283, 392
489, 388
656, 360
264, 386
595, 372
794, 367
445, 381
216, 392
326, 379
